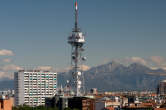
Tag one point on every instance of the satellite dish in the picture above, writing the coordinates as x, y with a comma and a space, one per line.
84, 58
79, 82
79, 73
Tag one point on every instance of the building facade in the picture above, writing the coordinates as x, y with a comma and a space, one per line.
6, 103
162, 88
79, 103
33, 86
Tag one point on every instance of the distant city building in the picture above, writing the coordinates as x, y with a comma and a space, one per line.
33, 86
104, 102
162, 88
93, 91
7, 93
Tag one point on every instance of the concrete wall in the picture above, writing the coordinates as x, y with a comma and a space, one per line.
99, 105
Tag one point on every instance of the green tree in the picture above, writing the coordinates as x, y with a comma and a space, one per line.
67, 109
25, 107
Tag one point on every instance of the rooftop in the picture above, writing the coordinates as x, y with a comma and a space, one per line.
33, 71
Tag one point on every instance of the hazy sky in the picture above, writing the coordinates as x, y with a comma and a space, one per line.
37, 30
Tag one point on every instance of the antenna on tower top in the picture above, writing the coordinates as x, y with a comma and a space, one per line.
76, 5
76, 29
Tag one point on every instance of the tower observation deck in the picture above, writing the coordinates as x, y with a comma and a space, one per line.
77, 41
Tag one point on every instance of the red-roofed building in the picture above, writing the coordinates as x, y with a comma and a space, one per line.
6, 104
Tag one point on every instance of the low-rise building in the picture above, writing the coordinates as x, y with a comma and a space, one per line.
62, 102
6, 103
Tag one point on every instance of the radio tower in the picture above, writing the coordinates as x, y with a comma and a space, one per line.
76, 40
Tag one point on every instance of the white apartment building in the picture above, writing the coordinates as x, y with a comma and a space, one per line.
33, 86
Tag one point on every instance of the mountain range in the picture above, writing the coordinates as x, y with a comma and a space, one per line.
113, 76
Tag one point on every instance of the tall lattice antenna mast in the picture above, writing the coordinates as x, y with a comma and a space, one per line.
76, 40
